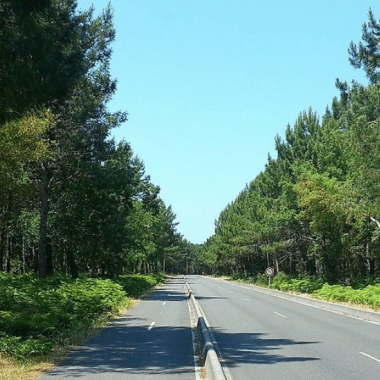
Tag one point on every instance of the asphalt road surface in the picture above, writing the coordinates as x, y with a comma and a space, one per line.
266, 337
152, 341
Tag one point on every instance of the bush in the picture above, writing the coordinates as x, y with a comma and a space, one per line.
261, 279
37, 314
280, 279
305, 284
135, 285
370, 295
365, 291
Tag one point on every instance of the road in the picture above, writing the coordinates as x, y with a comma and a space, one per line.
152, 341
266, 337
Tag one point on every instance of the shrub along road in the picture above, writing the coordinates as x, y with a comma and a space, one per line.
259, 336
151, 341
266, 337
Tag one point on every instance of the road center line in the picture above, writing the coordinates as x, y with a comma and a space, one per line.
151, 326
283, 316
371, 357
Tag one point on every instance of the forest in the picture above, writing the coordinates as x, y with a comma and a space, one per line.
315, 208
72, 199
83, 230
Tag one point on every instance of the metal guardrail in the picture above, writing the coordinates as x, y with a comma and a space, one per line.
214, 370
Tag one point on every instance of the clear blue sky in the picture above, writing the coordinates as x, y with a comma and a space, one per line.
209, 83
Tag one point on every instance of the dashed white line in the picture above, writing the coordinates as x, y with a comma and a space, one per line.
300, 302
246, 299
371, 357
151, 325
281, 315
164, 303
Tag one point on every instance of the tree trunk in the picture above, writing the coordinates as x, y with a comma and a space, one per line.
2, 252
23, 254
72, 264
49, 257
42, 270
276, 264
8, 254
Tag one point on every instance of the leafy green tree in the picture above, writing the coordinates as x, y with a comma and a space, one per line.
366, 54
22, 145
82, 122
41, 53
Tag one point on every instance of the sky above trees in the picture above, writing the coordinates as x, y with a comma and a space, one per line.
208, 85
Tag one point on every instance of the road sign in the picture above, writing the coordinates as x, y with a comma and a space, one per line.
269, 272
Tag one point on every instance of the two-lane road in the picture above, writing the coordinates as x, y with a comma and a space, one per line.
266, 337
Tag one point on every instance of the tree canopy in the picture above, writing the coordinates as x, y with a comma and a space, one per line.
71, 198
315, 208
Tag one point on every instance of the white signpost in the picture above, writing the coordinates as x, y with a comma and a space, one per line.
269, 272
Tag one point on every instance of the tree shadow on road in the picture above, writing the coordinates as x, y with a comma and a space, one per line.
135, 352
130, 350
257, 348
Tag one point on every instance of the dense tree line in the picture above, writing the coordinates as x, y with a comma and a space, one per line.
315, 209
71, 198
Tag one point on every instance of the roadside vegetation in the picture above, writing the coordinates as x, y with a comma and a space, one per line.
42, 319
313, 213
83, 230
364, 292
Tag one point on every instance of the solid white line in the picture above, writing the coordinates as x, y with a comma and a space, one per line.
151, 325
371, 357
300, 302
197, 364
217, 349
283, 316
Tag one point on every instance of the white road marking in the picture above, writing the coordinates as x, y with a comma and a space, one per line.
247, 300
151, 325
371, 357
164, 303
283, 316
230, 292
197, 364
217, 349
298, 301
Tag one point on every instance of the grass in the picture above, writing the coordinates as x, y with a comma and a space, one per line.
42, 321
